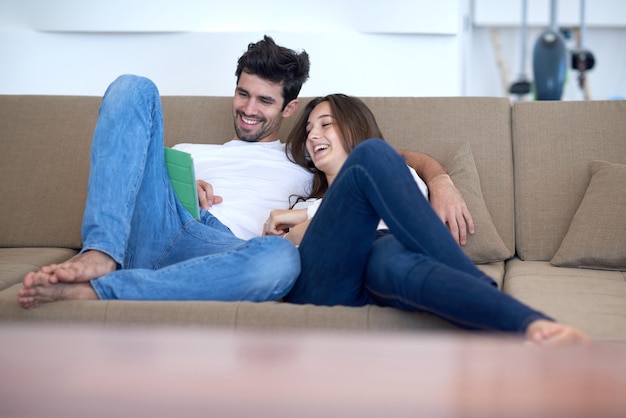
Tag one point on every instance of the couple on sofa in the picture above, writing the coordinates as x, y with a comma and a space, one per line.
140, 243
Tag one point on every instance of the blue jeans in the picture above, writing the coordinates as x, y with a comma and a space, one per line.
132, 214
417, 266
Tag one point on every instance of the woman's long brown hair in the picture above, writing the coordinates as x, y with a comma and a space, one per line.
355, 123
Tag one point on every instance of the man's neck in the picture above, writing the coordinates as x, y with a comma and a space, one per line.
263, 141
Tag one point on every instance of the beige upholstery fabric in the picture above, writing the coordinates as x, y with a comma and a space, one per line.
44, 168
44, 162
593, 300
61, 127
197, 119
44, 158
233, 315
48, 188
438, 126
16, 262
597, 235
485, 245
553, 143
495, 271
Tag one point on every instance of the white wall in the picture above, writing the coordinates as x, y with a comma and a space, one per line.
191, 46
368, 48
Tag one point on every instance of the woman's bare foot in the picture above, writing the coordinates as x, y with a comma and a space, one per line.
78, 269
543, 332
29, 298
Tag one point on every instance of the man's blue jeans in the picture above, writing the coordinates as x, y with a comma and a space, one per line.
416, 267
133, 215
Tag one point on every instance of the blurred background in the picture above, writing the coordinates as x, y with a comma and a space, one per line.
368, 48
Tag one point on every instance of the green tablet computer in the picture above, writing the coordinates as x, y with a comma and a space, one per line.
183, 177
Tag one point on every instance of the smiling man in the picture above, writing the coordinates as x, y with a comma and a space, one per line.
234, 177
257, 116
140, 243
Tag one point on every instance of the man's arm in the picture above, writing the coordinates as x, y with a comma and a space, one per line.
446, 200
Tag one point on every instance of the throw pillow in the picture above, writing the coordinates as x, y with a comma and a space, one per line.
485, 245
596, 237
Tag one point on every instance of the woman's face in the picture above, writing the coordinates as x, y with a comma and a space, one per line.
324, 142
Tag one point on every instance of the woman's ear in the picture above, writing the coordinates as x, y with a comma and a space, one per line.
291, 108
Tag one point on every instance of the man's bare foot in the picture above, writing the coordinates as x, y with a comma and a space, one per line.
543, 332
78, 269
29, 298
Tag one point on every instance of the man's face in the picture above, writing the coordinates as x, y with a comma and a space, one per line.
257, 109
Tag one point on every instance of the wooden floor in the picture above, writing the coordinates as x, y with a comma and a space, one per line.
52, 371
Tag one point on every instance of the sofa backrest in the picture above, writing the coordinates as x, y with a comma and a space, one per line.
553, 143
44, 162
437, 126
45, 146
197, 119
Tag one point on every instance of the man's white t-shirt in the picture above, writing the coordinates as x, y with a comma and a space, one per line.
253, 178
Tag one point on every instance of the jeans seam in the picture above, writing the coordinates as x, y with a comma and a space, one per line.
428, 310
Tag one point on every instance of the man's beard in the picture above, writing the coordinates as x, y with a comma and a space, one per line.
256, 136
249, 137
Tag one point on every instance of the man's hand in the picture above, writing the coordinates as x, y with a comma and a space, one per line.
448, 203
445, 198
206, 198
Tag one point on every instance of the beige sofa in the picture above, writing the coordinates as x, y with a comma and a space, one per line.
524, 169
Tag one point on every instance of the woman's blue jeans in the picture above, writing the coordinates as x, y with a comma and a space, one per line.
133, 215
416, 267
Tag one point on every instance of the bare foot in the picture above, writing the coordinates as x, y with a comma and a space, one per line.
543, 332
78, 269
32, 297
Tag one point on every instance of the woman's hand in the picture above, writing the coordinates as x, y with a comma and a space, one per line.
280, 221
206, 198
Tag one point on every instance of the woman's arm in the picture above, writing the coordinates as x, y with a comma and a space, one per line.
289, 223
445, 199
296, 233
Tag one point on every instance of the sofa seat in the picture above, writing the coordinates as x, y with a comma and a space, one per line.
592, 299
229, 315
16, 262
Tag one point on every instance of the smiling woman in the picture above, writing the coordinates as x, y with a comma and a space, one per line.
324, 145
411, 262
342, 131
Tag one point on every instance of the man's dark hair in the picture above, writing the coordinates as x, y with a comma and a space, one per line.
276, 64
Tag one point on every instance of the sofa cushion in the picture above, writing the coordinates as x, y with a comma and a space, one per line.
593, 300
553, 142
59, 129
438, 125
16, 262
44, 165
597, 235
485, 245
231, 315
